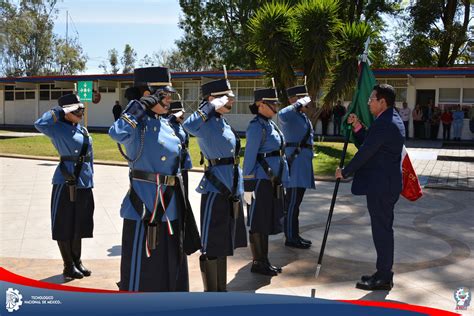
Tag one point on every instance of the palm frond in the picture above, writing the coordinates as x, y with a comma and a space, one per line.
272, 41
317, 26
350, 46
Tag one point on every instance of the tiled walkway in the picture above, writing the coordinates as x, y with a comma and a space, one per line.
434, 239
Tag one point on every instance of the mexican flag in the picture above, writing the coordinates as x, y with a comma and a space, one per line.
411, 186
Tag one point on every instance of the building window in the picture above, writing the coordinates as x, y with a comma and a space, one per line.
9, 96
449, 95
468, 96
106, 90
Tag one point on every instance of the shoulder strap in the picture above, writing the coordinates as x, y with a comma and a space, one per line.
297, 150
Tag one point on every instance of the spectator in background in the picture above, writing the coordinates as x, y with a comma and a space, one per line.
434, 122
471, 120
325, 119
417, 121
446, 119
117, 110
458, 120
338, 113
405, 115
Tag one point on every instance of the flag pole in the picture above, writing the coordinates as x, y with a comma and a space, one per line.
338, 181
331, 208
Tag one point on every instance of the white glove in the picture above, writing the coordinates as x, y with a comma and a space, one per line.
178, 114
219, 102
71, 108
248, 197
304, 101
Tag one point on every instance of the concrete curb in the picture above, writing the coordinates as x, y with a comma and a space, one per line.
124, 164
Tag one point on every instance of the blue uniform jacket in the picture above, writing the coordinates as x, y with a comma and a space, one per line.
294, 125
184, 137
262, 137
216, 140
160, 155
67, 138
377, 164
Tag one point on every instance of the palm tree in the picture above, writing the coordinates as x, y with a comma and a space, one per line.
308, 36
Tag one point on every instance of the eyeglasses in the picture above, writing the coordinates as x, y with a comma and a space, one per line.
375, 98
78, 111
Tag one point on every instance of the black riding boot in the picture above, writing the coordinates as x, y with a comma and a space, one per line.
222, 274
208, 273
70, 271
76, 246
265, 252
259, 264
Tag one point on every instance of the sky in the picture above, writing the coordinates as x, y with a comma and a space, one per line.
147, 25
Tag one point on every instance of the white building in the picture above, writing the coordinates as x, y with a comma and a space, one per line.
24, 99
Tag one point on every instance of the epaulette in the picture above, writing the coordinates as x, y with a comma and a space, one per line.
127, 119
55, 118
203, 116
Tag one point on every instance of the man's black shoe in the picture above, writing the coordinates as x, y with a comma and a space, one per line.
305, 241
366, 278
262, 268
297, 244
374, 284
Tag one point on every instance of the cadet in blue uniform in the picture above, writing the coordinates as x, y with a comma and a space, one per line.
72, 201
298, 132
155, 210
265, 172
176, 118
222, 220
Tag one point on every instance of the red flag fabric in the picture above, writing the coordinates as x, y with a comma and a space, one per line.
411, 186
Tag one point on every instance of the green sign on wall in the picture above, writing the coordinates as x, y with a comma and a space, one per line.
84, 90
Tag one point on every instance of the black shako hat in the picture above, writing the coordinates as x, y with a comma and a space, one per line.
176, 106
269, 95
297, 91
216, 88
158, 78
69, 100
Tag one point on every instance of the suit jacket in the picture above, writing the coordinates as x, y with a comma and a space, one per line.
377, 165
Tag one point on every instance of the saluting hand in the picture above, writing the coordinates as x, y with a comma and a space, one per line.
303, 102
219, 102
68, 109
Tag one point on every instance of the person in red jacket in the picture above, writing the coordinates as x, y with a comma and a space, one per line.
446, 119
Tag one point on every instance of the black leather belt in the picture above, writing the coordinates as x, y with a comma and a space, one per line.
309, 146
275, 153
151, 177
221, 161
75, 158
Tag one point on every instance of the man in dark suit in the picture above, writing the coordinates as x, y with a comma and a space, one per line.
377, 175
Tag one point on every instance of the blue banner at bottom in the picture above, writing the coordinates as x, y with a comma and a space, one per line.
27, 300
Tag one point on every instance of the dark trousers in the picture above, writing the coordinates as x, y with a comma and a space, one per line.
293, 199
446, 131
406, 123
418, 129
337, 126
381, 217
325, 125
434, 131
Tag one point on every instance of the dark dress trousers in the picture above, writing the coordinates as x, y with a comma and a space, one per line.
377, 174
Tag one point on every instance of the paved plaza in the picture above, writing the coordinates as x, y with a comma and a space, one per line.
434, 236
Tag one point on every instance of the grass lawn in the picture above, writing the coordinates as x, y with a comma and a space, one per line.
326, 161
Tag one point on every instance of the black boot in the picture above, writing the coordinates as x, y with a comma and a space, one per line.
259, 264
265, 252
222, 274
70, 271
208, 273
76, 246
